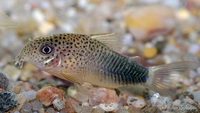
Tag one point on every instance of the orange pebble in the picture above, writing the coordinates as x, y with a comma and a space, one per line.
48, 94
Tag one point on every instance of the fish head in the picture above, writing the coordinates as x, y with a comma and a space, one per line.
41, 52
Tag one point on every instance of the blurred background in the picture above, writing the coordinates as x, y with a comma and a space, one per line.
160, 31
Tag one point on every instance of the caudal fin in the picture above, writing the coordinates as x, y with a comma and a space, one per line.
161, 78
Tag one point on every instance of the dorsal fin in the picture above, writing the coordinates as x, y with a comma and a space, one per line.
113, 40
5, 21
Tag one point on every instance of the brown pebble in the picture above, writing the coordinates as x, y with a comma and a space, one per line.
17, 89
69, 105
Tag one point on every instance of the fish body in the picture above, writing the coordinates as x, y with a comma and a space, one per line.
80, 58
93, 59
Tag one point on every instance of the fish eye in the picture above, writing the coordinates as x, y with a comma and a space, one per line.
46, 49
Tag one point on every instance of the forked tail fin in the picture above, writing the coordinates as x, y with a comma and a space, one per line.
161, 78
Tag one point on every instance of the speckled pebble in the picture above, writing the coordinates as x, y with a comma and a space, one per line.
58, 104
135, 102
187, 108
3, 81
7, 100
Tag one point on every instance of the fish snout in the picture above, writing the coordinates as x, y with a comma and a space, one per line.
19, 63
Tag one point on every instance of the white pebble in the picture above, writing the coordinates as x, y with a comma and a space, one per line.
163, 103
31, 94
109, 107
191, 89
85, 104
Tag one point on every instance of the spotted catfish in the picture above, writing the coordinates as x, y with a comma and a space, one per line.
93, 59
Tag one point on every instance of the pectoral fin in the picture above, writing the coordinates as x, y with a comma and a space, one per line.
72, 76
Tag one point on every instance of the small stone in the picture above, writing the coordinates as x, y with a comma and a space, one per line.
102, 95
68, 105
26, 86
36, 105
85, 104
72, 91
3, 81
51, 110
26, 108
41, 110
196, 96
26, 75
191, 89
31, 94
187, 108
184, 95
163, 103
176, 104
136, 102
122, 110
17, 89
150, 52
144, 27
7, 100
63, 111
48, 94
113, 106
123, 98
189, 101
21, 98
12, 72
81, 97
58, 104
98, 109
131, 109
46, 82
1, 89
86, 109
151, 110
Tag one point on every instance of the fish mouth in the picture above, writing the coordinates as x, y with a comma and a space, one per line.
19, 62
